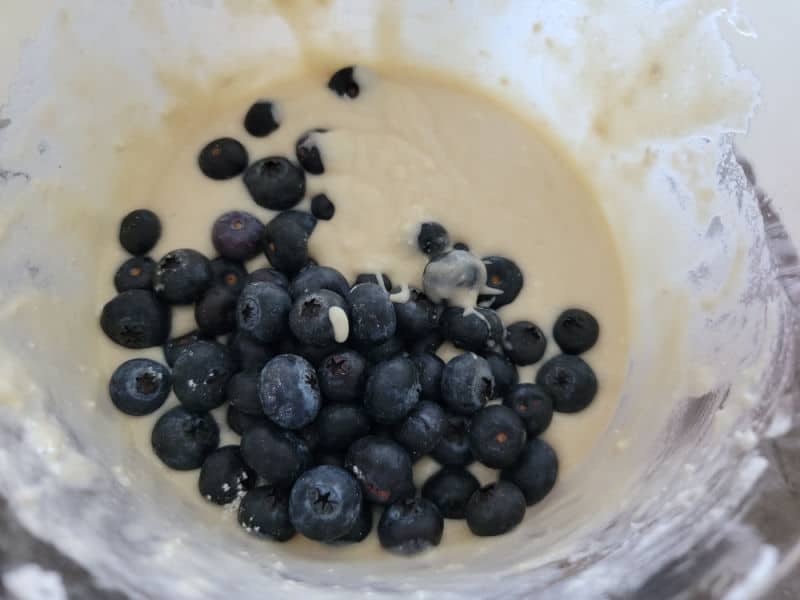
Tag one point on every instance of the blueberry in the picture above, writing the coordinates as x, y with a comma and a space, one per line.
382, 467
570, 381
269, 275
428, 344
241, 392
533, 404
314, 278
136, 319
456, 276
430, 368
450, 489
286, 246
344, 84
410, 526
215, 311
326, 457
373, 278
496, 436
432, 238
139, 231
306, 221
248, 353
325, 503
310, 435
386, 350
342, 376
261, 119
279, 456
524, 343
139, 386
576, 331
308, 152
236, 235
362, 527
418, 317
229, 274
322, 207
504, 372
224, 475
372, 317
467, 384
311, 319
263, 311
340, 425
275, 183
174, 347
495, 509
265, 511
535, 472
135, 274
502, 274
474, 330
182, 439
289, 391
453, 449
240, 422
422, 430
200, 375
223, 158
182, 276
315, 354
392, 391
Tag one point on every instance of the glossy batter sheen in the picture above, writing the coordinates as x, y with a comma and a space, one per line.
407, 150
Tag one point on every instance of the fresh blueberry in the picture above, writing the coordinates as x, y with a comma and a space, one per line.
305, 220
533, 404
474, 330
450, 489
279, 456
467, 384
241, 392
363, 526
289, 391
315, 354
174, 347
372, 317
308, 152
139, 231
524, 343
240, 422
223, 158
456, 276
135, 274
182, 276
432, 238
342, 376
261, 119
286, 246
325, 503
382, 467
314, 278
386, 350
570, 381
410, 526
344, 84
576, 331
422, 429
496, 436
325, 457
311, 321
428, 344
139, 386
535, 472
229, 274
265, 511
418, 317
263, 311
136, 319
322, 207
373, 278
340, 425
503, 275
393, 390
430, 368
495, 509
248, 353
224, 475
275, 183
504, 372
200, 375
182, 439
269, 275
236, 235
215, 311
453, 449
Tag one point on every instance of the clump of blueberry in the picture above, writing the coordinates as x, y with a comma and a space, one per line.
335, 386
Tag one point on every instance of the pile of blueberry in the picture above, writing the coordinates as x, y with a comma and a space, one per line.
336, 389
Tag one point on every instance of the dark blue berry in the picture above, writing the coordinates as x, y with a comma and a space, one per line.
200, 375
535, 472
182, 439
570, 381
182, 276
139, 231
362, 527
325, 503
386, 350
279, 456
410, 526
308, 152
315, 354
224, 475
373, 278
432, 238
310, 435
135, 274
576, 331
467, 384
314, 278
322, 207
261, 119
533, 404
496, 436
240, 422
503, 275
215, 311
263, 311
422, 430
430, 368
418, 317
474, 330
392, 390
275, 183
264, 511
450, 489
269, 275
286, 246
339, 425
524, 343
229, 274
223, 158
136, 319
504, 372
495, 509
139, 386
342, 376
242, 393
453, 449
372, 317
305, 220
236, 235
173, 347
248, 353
289, 391
428, 344
310, 317
382, 467
343, 83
